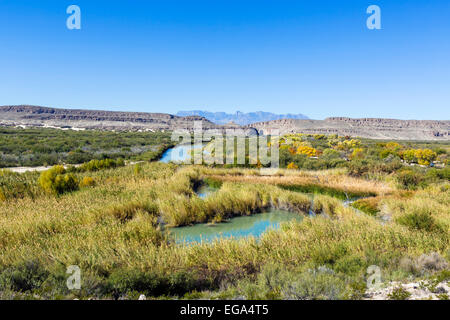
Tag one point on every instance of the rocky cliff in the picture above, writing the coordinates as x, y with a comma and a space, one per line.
374, 128
132, 121
103, 120
95, 119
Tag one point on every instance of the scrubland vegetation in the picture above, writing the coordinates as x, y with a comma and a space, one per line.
45, 146
115, 221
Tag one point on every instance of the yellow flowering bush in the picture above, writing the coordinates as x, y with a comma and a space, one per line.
292, 166
309, 151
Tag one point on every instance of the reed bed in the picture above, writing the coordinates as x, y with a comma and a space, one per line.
328, 181
112, 232
232, 199
427, 210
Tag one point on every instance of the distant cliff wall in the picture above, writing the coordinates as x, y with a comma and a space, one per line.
375, 128
103, 120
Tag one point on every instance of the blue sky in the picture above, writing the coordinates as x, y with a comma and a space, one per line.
312, 57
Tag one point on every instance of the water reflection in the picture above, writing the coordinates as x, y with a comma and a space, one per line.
180, 153
239, 227
205, 191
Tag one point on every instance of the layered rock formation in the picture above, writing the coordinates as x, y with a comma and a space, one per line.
96, 119
106, 120
374, 128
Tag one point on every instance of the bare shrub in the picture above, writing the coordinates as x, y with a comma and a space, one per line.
432, 262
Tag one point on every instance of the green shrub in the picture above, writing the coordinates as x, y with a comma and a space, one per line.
179, 283
443, 275
349, 265
95, 165
409, 179
358, 168
57, 181
399, 293
439, 174
358, 289
432, 262
24, 276
386, 166
121, 282
329, 154
275, 282
315, 286
329, 255
443, 296
87, 182
422, 221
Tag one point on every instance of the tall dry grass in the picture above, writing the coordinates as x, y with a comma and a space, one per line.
232, 199
111, 231
326, 179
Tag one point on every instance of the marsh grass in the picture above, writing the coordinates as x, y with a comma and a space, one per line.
427, 210
317, 189
327, 205
369, 205
112, 232
329, 182
182, 207
128, 211
16, 185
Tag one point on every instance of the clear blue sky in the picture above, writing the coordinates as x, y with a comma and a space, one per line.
314, 57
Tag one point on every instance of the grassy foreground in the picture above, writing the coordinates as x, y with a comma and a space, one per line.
111, 229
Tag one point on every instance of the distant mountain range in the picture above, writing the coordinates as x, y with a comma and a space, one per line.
375, 128
240, 118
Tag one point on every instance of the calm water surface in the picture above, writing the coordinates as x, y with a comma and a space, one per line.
238, 227
179, 153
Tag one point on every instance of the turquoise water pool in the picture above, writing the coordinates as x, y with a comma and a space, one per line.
239, 227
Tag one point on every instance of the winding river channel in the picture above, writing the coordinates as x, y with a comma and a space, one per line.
238, 227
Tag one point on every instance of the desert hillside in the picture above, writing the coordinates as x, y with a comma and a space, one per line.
95, 119
374, 128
